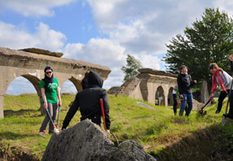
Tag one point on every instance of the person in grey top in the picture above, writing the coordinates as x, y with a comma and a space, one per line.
221, 80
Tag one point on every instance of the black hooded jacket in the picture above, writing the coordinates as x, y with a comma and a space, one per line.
185, 83
88, 101
231, 63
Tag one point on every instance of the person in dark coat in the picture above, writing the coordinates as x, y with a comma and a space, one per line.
185, 83
230, 113
88, 100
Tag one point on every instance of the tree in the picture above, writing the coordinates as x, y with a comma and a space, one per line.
208, 41
131, 69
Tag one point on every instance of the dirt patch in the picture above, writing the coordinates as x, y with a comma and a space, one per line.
22, 112
12, 153
210, 144
179, 120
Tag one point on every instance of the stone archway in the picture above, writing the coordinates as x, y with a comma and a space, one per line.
160, 97
170, 96
31, 64
34, 80
145, 85
77, 83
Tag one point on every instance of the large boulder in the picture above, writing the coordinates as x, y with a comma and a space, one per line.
87, 142
197, 105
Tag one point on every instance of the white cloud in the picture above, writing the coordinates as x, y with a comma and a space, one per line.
111, 54
13, 37
48, 38
146, 26
225, 5
33, 7
16, 37
100, 51
150, 61
97, 51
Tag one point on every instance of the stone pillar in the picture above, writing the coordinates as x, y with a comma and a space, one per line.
204, 92
166, 99
1, 106
3, 87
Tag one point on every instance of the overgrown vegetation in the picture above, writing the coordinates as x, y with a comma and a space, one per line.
165, 136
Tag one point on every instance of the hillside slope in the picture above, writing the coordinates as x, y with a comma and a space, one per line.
165, 136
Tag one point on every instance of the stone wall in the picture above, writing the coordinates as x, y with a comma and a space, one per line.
145, 85
15, 63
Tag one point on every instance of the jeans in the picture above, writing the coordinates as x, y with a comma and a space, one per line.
187, 99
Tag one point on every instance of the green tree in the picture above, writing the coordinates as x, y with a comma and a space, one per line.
208, 41
131, 68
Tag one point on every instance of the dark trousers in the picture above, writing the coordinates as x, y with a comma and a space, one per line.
96, 120
221, 97
231, 104
174, 104
52, 108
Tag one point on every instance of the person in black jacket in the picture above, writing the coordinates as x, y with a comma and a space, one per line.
185, 83
230, 114
88, 100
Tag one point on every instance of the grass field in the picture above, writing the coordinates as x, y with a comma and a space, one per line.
156, 128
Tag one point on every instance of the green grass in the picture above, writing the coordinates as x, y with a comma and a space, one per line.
155, 128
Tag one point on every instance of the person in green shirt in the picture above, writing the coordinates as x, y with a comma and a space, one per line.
50, 92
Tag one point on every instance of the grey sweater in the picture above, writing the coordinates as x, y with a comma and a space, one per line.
226, 79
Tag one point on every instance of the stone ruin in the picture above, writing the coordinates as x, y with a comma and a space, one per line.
30, 63
145, 85
150, 83
87, 142
42, 52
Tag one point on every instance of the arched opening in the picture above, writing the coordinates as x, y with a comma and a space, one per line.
170, 97
24, 88
159, 96
22, 85
68, 87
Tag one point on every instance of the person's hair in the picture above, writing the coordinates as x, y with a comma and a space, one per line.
182, 67
214, 65
47, 67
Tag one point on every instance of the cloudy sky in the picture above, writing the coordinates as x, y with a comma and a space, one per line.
99, 31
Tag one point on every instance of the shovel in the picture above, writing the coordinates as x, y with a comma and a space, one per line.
54, 127
201, 112
58, 116
103, 115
